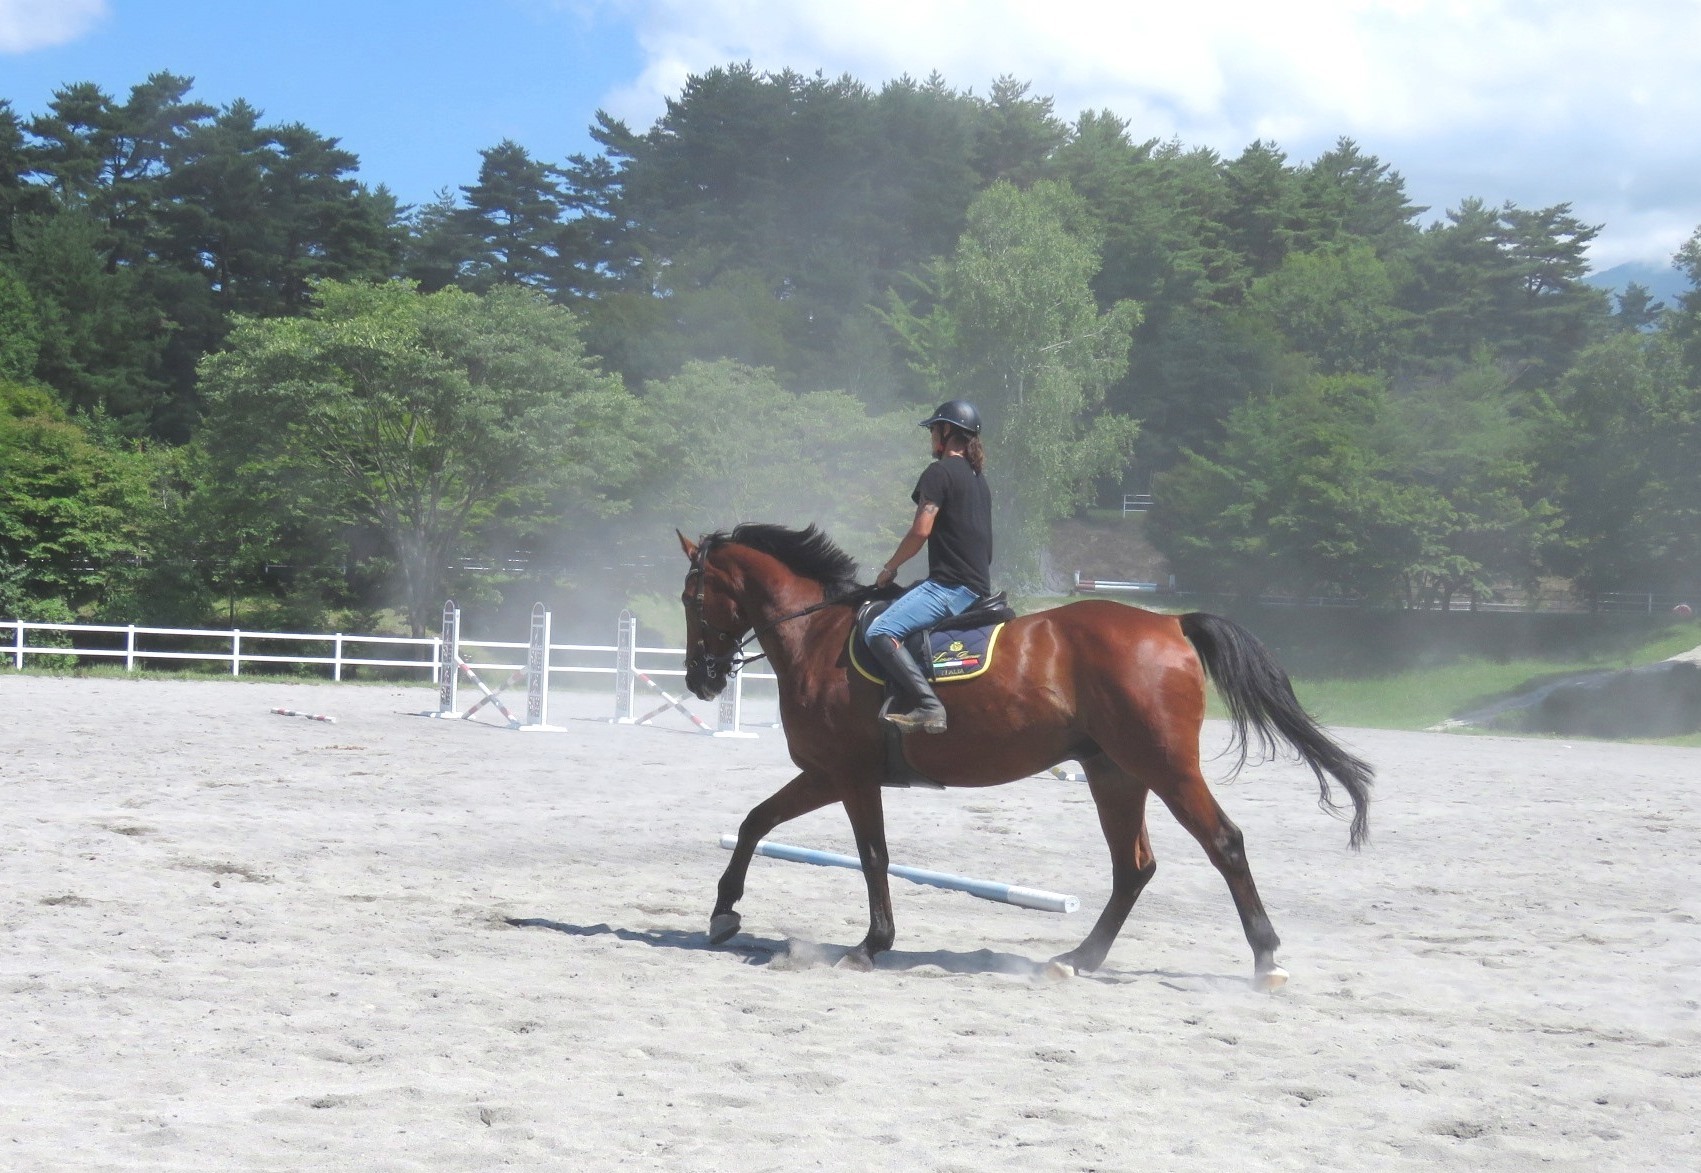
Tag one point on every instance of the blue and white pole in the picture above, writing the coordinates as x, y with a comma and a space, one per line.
1035, 898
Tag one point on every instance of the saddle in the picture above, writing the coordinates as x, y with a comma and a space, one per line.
958, 648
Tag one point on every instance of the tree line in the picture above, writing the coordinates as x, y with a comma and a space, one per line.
233, 375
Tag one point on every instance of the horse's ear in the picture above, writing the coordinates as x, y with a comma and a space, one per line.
687, 545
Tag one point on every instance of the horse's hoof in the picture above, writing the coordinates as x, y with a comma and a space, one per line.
723, 926
857, 960
1273, 978
1057, 970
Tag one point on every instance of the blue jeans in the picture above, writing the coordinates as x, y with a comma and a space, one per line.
921, 606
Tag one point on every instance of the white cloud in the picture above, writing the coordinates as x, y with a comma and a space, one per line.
38, 24
1534, 101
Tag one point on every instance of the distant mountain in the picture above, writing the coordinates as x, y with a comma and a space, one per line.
1663, 281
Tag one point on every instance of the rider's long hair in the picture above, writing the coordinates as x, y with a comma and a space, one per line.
974, 454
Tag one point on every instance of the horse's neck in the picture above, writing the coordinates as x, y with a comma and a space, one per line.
795, 647
788, 635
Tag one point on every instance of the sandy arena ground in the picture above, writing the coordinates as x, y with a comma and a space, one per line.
236, 941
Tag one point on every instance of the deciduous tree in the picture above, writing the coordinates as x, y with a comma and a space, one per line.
730, 444
1622, 456
1335, 305
1016, 329
420, 415
1299, 500
73, 500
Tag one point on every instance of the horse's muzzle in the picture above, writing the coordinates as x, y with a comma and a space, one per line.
707, 676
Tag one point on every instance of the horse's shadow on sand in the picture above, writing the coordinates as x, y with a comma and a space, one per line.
788, 954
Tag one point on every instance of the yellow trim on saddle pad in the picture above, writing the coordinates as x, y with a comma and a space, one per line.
986, 661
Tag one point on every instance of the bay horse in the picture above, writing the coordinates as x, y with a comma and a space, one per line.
1117, 688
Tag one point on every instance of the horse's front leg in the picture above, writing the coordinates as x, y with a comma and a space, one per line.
802, 794
864, 804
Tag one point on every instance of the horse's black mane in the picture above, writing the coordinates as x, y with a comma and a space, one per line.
806, 552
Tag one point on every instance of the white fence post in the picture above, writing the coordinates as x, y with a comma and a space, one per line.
236, 653
18, 646
130, 648
337, 658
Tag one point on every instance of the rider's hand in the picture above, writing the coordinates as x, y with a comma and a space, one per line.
885, 577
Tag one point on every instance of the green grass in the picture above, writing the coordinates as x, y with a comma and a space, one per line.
1425, 697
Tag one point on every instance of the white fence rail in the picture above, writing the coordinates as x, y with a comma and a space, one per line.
139, 645
145, 646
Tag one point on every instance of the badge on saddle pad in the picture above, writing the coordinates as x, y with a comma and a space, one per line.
951, 655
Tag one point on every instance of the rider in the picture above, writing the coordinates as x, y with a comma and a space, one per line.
953, 518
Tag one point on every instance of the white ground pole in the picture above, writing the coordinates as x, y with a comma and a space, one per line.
1036, 898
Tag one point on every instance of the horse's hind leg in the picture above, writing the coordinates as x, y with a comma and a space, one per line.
1121, 801
802, 794
1183, 790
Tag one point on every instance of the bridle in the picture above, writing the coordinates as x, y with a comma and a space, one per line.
728, 664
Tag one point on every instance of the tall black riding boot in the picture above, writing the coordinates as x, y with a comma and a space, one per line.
928, 714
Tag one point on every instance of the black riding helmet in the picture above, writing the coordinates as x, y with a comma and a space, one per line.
959, 413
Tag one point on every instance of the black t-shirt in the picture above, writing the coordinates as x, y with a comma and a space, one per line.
959, 550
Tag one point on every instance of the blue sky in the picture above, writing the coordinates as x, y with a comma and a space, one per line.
414, 89
1594, 102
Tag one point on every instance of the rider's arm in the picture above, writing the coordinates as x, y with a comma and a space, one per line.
911, 544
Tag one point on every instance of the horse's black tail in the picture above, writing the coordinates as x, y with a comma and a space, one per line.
1261, 701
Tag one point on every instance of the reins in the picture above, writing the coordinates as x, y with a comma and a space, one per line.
853, 599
